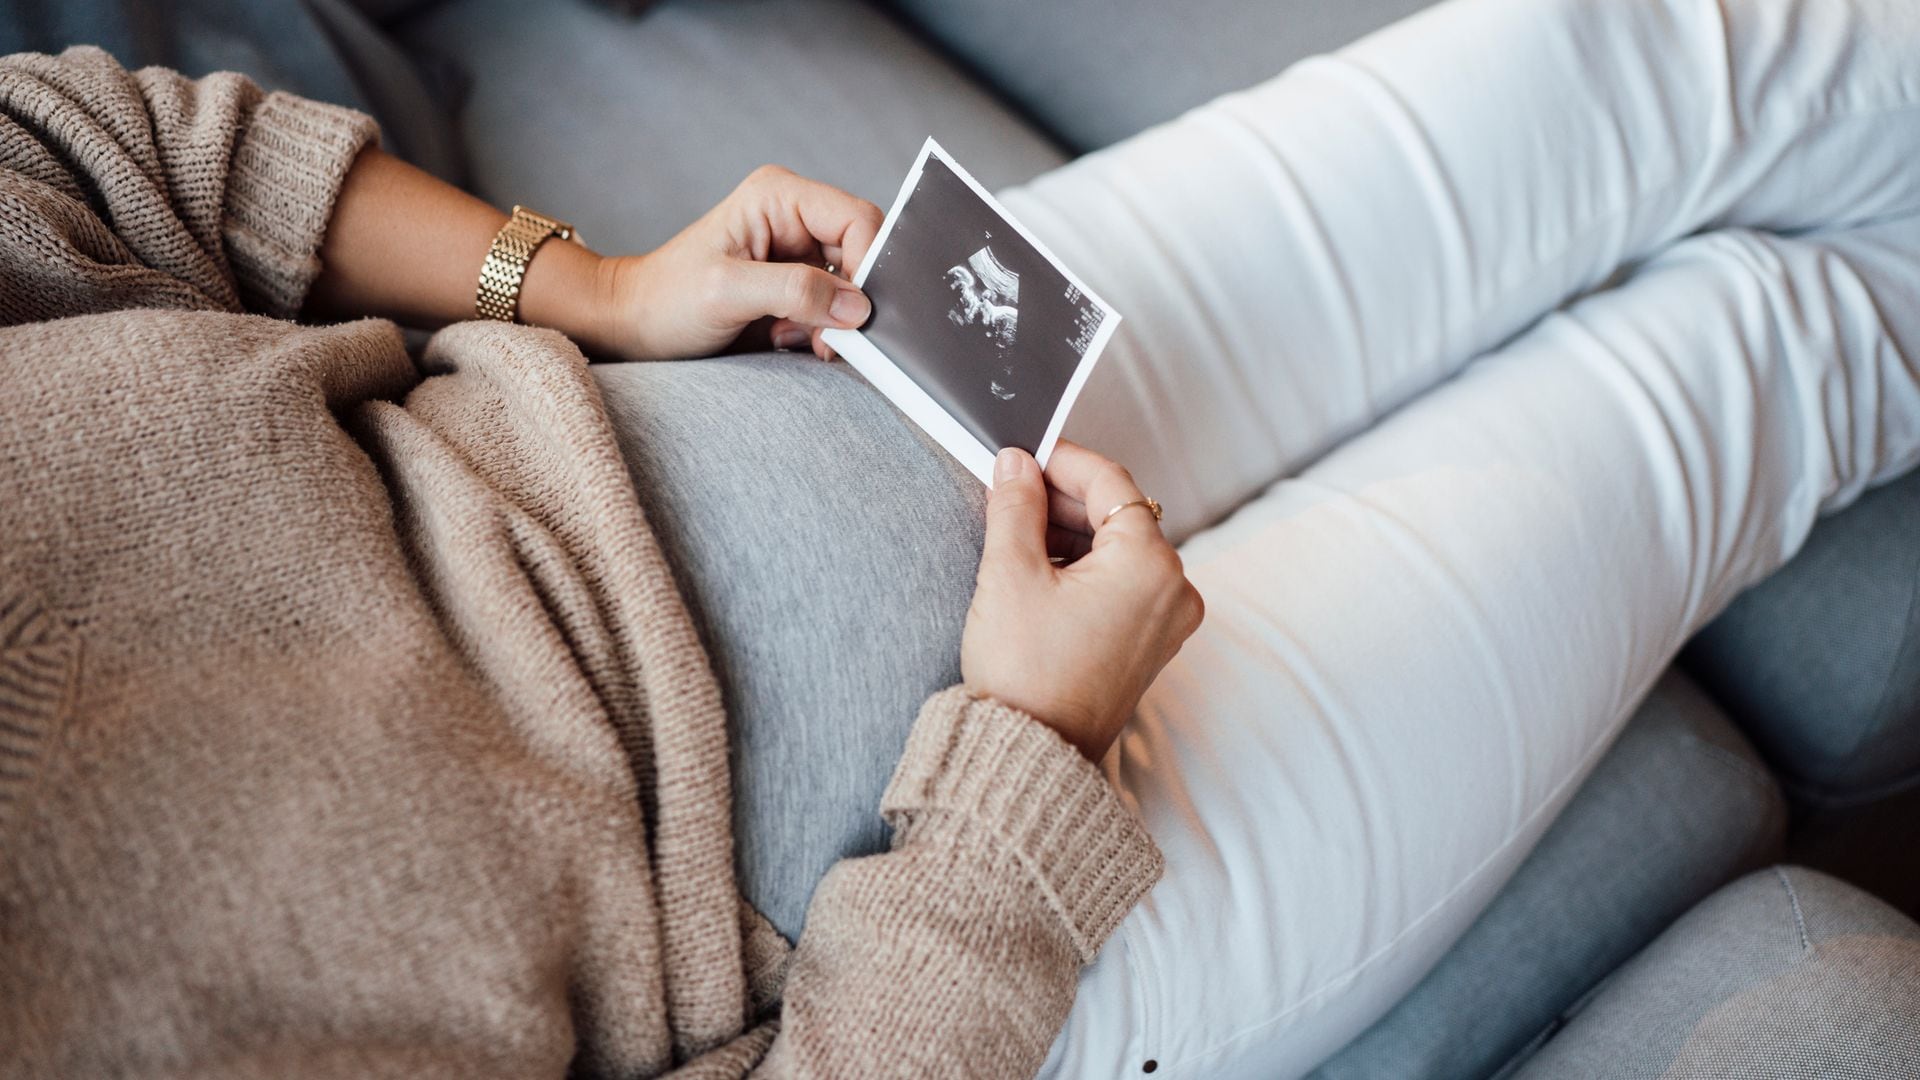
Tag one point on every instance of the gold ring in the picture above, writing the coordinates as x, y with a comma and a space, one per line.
1149, 503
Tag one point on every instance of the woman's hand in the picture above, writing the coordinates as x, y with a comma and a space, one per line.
749, 272
407, 246
1073, 645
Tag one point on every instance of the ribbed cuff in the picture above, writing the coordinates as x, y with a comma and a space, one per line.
1000, 769
286, 175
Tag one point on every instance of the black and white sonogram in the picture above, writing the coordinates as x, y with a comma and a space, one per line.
987, 295
977, 315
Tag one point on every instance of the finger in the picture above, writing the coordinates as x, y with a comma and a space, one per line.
807, 215
1067, 512
843, 224
1070, 469
785, 334
1100, 485
821, 349
1016, 515
794, 291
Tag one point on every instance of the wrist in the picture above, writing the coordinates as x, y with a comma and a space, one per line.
563, 290
1074, 724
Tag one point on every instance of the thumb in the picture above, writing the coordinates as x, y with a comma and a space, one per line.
805, 294
1016, 514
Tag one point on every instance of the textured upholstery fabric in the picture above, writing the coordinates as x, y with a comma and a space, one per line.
413, 122
1786, 973
631, 127
1685, 795
1821, 662
1093, 72
321, 49
278, 43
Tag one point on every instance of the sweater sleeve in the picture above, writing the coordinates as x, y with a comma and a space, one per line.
149, 189
956, 952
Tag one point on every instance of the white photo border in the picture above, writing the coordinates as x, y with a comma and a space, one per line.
859, 351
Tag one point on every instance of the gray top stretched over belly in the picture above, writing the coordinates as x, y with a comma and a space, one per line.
827, 550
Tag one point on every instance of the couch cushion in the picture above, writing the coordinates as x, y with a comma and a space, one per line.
278, 43
632, 126
1679, 806
1786, 973
324, 49
1821, 662
1093, 72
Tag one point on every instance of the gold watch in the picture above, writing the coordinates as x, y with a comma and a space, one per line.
498, 296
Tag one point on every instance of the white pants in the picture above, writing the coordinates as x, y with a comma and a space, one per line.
1417, 646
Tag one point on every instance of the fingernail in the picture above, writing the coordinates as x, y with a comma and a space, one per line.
790, 337
850, 307
1006, 465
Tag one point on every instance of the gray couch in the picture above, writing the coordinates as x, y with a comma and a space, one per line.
1645, 926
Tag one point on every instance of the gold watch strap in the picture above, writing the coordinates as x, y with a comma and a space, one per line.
498, 296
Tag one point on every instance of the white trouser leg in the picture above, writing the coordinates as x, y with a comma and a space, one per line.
1295, 260
1415, 650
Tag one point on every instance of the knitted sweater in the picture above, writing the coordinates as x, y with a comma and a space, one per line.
350, 722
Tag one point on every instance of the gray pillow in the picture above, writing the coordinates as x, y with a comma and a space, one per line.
1093, 72
1821, 662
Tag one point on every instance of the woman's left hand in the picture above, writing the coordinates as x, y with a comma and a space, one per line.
750, 273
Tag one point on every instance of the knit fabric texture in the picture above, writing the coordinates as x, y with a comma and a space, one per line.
351, 722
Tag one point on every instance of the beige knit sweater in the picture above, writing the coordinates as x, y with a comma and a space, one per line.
350, 723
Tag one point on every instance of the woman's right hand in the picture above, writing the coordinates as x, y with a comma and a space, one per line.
1073, 645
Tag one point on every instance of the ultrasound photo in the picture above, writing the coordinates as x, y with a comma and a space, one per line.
980, 318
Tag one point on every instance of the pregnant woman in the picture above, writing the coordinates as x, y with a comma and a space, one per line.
1676, 240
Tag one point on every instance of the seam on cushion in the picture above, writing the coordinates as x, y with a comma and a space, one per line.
1799, 916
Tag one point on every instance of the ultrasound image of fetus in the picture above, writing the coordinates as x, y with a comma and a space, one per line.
971, 310
987, 295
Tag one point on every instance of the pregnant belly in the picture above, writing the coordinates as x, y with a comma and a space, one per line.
827, 551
